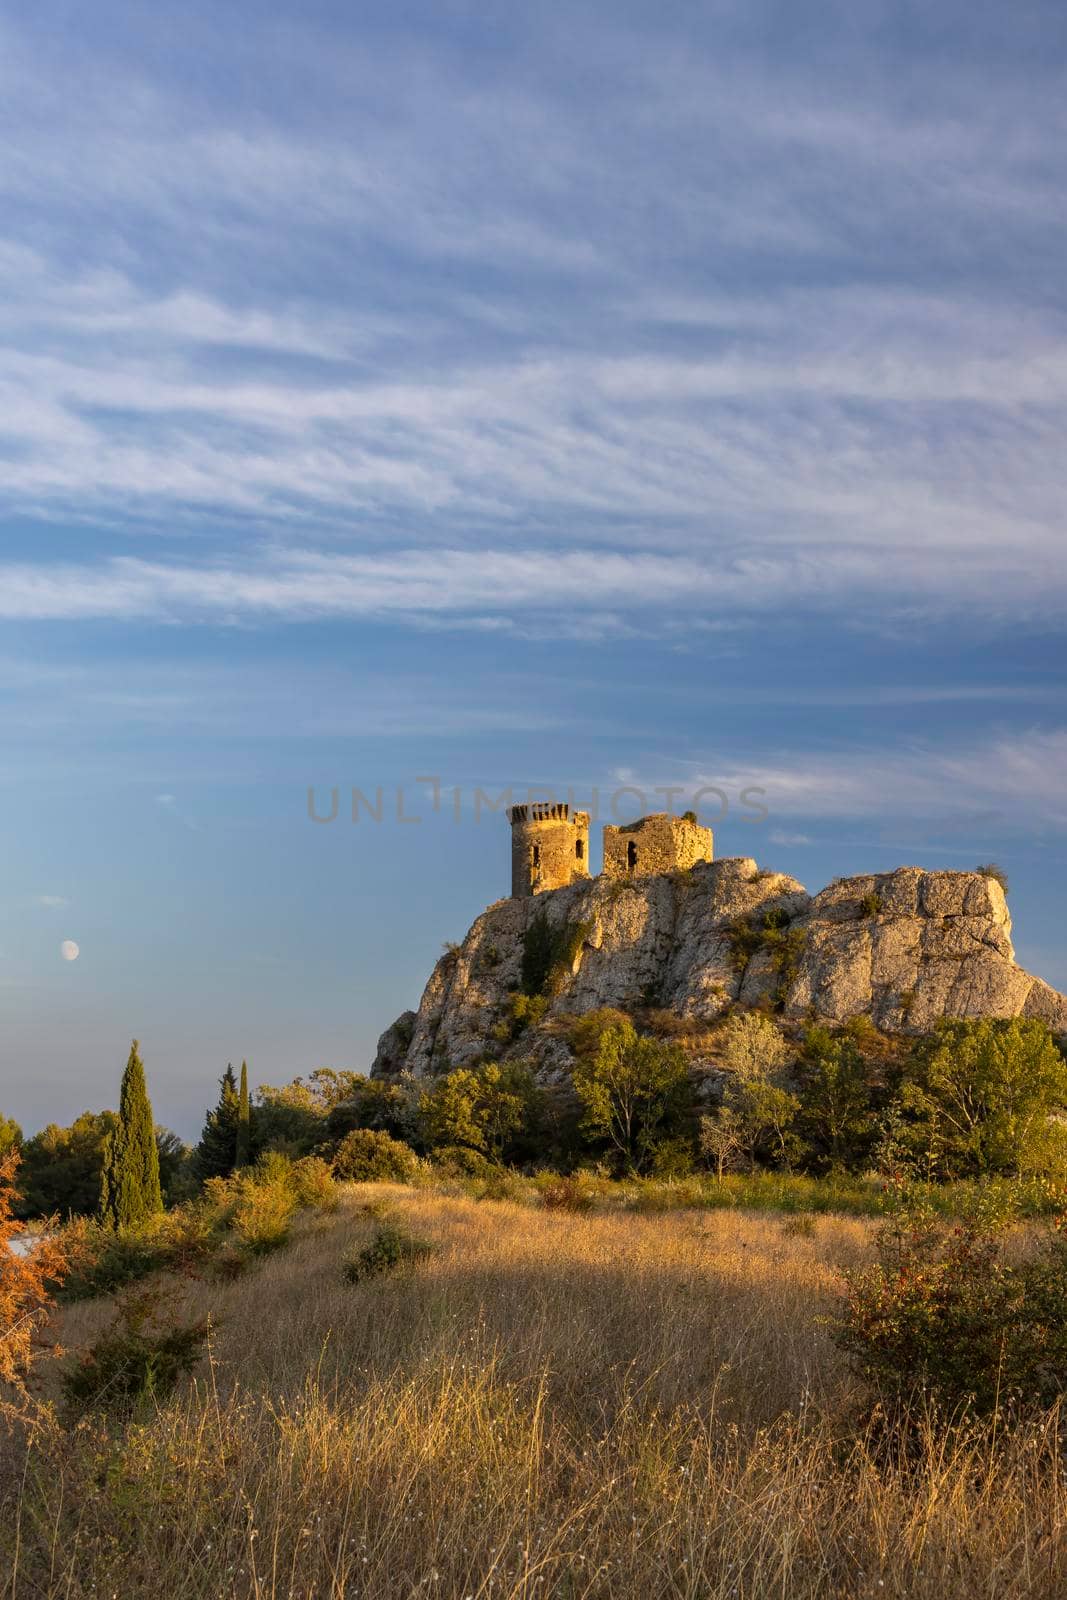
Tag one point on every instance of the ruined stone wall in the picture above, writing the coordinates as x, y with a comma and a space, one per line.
660, 843
549, 848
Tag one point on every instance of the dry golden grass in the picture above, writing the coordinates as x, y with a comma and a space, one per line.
551, 1405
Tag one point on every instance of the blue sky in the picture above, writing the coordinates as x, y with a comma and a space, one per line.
571, 395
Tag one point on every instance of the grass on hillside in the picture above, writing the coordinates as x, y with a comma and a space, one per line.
550, 1404
837, 1193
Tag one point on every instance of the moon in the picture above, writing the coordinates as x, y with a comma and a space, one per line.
69, 950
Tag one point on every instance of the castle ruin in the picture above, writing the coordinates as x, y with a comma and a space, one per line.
659, 843
550, 847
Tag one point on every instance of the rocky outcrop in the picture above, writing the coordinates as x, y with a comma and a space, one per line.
904, 948
393, 1046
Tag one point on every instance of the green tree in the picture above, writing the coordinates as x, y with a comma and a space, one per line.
635, 1091
294, 1118
61, 1167
243, 1143
480, 1108
763, 1114
836, 1114
216, 1154
10, 1136
983, 1096
722, 1140
753, 1046
755, 1122
384, 1105
129, 1183
176, 1177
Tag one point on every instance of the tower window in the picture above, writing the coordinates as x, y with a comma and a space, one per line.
535, 856
579, 849
631, 855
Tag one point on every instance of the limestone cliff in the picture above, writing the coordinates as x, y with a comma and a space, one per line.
905, 948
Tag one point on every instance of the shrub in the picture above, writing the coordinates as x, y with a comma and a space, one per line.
235, 1217
801, 1225
313, 1185
989, 869
577, 1192
548, 953
943, 1316
25, 1284
391, 1247
263, 1204
136, 1363
671, 1158
500, 1184
261, 1220
367, 1156
870, 905
526, 1011
667, 1024
771, 934
104, 1259
460, 1161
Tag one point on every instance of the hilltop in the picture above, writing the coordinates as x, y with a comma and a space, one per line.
902, 948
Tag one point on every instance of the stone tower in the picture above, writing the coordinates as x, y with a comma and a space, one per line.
549, 847
660, 843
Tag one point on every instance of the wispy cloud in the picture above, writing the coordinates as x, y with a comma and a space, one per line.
301, 585
220, 700
815, 393
1014, 783
52, 901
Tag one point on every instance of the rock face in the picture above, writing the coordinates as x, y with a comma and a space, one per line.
904, 948
393, 1046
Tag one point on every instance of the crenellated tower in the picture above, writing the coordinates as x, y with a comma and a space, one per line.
549, 847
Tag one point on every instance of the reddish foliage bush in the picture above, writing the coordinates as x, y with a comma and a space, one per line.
944, 1317
26, 1284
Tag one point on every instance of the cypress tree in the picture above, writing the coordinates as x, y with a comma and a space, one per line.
216, 1154
129, 1182
243, 1147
